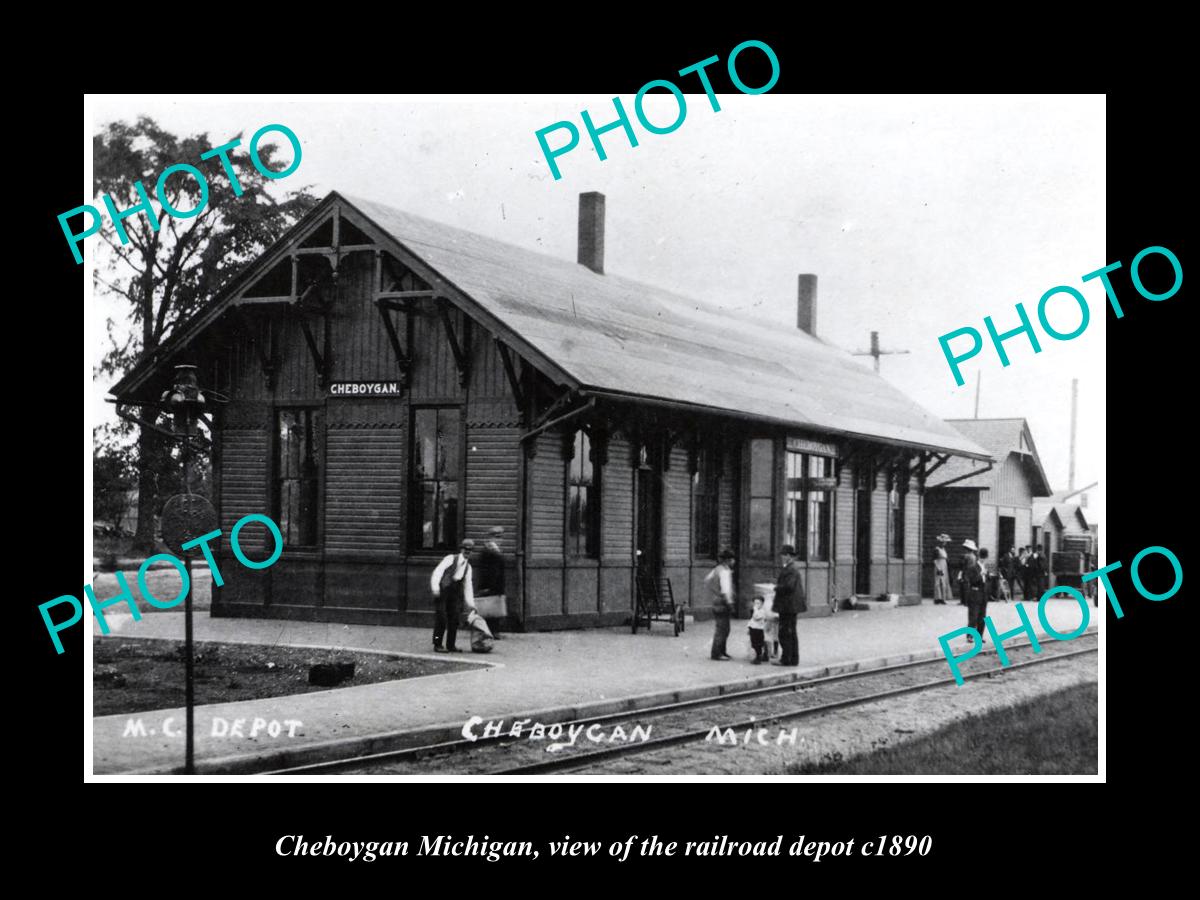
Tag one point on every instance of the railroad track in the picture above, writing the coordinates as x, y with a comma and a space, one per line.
759, 706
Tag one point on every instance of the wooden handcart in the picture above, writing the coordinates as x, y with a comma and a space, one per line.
656, 603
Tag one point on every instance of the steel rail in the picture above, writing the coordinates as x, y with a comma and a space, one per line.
448, 747
580, 760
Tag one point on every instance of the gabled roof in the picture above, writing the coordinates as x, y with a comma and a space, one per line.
1045, 509
1002, 437
613, 336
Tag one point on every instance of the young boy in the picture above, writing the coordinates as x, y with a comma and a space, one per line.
758, 623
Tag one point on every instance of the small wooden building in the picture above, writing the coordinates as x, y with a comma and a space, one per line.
989, 503
395, 384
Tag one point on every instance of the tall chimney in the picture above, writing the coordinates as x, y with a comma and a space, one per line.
1074, 415
806, 307
591, 231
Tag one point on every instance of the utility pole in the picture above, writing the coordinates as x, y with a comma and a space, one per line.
875, 351
978, 381
1074, 414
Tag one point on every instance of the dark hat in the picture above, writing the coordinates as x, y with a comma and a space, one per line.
944, 538
496, 530
726, 554
787, 550
467, 544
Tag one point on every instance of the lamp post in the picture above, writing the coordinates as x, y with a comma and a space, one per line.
186, 402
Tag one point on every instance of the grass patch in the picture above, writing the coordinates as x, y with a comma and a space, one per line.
1050, 735
134, 675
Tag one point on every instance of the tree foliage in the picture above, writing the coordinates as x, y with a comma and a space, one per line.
165, 274
168, 273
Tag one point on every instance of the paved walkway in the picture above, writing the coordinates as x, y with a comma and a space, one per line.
551, 676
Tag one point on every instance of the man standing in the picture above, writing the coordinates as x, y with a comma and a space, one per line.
941, 571
1008, 588
451, 585
1038, 572
490, 598
1023, 572
789, 601
720, 590
974, 589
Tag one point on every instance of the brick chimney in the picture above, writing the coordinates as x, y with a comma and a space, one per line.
591, 231
806, 304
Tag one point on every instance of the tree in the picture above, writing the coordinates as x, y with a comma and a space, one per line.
167, 274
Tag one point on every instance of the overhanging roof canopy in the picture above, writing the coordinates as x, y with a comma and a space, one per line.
612, 335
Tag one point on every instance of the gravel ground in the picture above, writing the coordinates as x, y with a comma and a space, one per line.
137, 675
860, 729
824, 736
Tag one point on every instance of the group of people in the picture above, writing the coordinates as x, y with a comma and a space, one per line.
1023, 568
772, 624
454, 594
980, 581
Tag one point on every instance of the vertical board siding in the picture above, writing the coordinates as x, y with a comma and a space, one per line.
547, 478
493, 492
244, 483
1012, 487
617, 486
677, 506
844, 511
365, 487
881, 526
912, 524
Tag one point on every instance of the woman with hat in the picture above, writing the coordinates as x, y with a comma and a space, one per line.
941, 571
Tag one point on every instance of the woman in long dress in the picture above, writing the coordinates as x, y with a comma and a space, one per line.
941, 571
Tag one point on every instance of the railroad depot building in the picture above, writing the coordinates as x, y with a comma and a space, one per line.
990, 503
395, 385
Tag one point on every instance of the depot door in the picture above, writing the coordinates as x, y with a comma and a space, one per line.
862, 541
649, 519
1007, 536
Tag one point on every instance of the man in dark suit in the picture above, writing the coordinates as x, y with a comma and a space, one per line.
1038, 572
789, 601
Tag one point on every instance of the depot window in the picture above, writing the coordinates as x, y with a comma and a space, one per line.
706, 490
297, 468
583, 494
436, 473
762, 497
896, 503
808, 505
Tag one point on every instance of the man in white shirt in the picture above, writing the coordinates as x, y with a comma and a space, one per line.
451, 586
720, 590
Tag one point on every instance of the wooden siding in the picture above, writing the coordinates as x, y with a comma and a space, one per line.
365, 487
547, 480
244, 485
677, 510
912, 525
1010, 484
954, 511
493, 492
617, 503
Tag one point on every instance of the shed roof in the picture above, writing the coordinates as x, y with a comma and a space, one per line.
614, 335
1002, 437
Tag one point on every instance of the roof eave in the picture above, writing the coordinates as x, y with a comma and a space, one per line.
777, 420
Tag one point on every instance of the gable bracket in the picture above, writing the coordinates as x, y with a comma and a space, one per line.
510, 372
403, 360
461, 352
